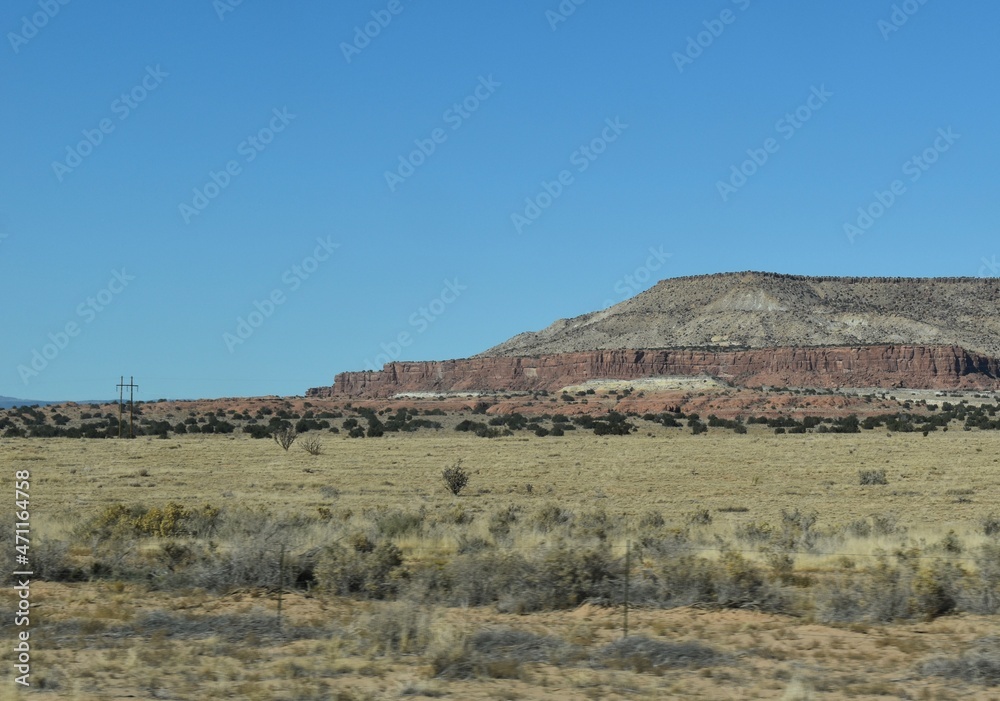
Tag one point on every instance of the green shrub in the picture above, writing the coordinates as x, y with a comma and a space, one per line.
376, 574
551, 516
455, 478
869, 477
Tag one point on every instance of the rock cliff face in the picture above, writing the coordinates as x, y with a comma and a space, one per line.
914, 366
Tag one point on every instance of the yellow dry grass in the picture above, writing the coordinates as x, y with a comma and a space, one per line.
935, 483
945, 481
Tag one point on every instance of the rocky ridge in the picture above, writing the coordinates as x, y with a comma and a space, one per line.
924, 367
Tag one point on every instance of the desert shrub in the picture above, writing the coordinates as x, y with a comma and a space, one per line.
981, 593
563, 577
477, 579
203, 522
980, 664
991, 525
697, 427
593, 524
876, 524
642, 654
456, 515
730, 582
870, 477
246, 564
651, 520
567, 577
312, 445
501, 521
796, 529
551, 516
936, 589
50, 561
172, 519
285, 437
497, 653
701, 517
399, 628
471, 544
231, 628
376, 574
755, 531
395, 523
893, 590
455, 478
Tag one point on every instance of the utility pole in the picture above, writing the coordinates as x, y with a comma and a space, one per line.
121, 389
628, 566
131, 404
281, 581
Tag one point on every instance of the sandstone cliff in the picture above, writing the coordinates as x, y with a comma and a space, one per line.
915, 366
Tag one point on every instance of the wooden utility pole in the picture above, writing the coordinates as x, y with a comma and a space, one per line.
281, 581
121, 389
628, 566
131, 405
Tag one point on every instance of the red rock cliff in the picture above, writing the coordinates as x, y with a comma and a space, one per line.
926, 367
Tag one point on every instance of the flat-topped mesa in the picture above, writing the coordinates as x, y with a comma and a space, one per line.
888, 366
748, 328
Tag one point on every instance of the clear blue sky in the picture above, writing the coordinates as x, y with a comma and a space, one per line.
317, 122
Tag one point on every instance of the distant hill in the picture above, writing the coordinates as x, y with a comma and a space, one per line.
767, 310
10, 402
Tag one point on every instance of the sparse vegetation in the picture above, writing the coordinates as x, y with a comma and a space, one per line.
312, 445
384, 573
455, 478
285, 437
867, 477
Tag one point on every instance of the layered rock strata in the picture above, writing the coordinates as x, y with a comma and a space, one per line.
913, 366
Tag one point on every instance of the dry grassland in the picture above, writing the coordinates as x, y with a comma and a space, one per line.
117, 636
671, 471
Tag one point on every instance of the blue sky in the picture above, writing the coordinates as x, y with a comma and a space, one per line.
230, 199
